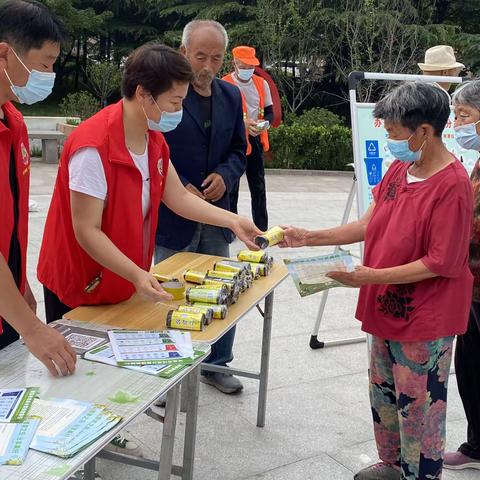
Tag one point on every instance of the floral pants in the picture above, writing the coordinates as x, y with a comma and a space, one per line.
408, 396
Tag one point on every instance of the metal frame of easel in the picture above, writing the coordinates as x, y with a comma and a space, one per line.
357, 186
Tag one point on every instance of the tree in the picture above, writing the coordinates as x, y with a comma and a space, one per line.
103, 79
291, 42
378, 36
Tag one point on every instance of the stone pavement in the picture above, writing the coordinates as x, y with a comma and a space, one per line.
318, 424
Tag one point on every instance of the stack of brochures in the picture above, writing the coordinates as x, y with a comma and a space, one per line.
68, 426
17, 427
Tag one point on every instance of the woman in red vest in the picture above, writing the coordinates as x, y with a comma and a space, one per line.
114, 172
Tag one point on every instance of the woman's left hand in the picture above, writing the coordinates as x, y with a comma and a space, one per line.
246, 231
361, 276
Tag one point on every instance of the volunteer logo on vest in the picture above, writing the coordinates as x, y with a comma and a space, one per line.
25, 154
160, 166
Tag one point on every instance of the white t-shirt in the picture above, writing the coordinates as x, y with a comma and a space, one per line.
412, 179
87, 175
250, 94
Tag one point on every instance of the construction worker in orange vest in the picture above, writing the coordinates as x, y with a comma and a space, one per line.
257, 113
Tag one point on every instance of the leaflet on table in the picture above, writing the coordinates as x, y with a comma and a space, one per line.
68, 426
81, 339
104, 354
15, 440
15, 403
147, 347
309, 274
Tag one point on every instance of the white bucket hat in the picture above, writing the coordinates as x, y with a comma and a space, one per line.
440, 57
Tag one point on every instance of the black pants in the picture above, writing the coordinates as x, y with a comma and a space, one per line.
467, 369
8, 336
54, 308
256, 184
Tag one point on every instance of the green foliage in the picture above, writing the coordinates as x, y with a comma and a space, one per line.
103, 79
80, 104
311, 147
318, 116
35, 152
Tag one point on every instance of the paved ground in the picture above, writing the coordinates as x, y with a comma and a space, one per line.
318, 417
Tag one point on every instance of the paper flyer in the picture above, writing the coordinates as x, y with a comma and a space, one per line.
309, 274
15, 403
15, 440
148, 347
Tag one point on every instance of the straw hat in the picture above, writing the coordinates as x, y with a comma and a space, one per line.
440, 57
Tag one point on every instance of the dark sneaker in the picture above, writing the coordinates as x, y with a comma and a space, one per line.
125, 445
161, 402
80, 475
459, 461
379, 471
224, 382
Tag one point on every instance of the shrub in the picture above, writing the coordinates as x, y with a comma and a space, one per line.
311, 147
79, 104
319, 116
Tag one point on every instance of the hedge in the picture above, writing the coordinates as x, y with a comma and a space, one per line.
310, 147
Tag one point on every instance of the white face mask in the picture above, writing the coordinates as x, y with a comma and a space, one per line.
467, 136
38, 87
245, 74
168, 120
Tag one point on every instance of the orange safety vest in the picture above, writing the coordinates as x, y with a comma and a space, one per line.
260, 85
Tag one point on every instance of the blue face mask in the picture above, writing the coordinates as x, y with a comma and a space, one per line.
245, 74
467, 136
401, 150
38, 87
168, 120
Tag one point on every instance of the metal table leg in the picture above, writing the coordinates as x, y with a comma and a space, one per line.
192, 384
89, 470
184, 395
168, 436
264, 365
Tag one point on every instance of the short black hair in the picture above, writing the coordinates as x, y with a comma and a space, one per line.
155, 67
414, 103
27, 25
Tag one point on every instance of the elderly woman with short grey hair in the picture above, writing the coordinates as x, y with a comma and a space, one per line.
466, 101
415, 284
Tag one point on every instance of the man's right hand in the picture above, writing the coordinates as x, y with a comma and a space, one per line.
251, 127
51, 348
193, 189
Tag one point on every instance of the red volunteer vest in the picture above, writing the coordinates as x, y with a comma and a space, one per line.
15, 134
259, 83
64, 267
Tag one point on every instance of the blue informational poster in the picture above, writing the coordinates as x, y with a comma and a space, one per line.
373, 157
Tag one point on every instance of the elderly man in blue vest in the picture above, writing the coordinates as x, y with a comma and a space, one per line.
208, 151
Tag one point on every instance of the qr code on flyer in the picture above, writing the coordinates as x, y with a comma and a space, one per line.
83, 342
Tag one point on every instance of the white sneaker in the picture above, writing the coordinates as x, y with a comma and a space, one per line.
125, 445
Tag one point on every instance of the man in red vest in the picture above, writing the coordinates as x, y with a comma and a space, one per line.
257, 114
30, 40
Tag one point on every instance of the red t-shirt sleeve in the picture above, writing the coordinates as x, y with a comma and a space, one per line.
448, 235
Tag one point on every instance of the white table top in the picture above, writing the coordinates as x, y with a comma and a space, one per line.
92, 382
